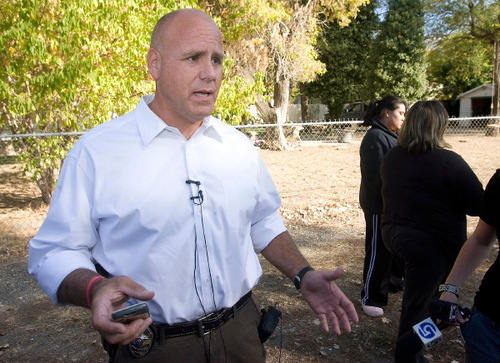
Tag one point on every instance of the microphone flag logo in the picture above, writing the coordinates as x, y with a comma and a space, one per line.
428, 333
427, 330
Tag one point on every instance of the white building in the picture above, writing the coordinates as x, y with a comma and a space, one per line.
477, 101
317, 112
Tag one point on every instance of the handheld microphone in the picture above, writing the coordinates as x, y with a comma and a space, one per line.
428, 335
447, 311
425, 333
428, 332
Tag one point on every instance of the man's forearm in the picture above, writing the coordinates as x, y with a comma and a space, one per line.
73, 288
284, 255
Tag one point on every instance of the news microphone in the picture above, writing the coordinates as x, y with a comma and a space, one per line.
428, 333
447, 311
425, 333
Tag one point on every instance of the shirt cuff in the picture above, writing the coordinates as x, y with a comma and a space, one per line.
52, 271
265, 230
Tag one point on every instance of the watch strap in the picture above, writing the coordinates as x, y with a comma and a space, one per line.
449, 288
301, 275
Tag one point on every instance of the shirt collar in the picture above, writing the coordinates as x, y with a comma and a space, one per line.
150, 125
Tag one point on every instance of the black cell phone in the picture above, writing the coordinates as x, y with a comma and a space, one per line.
136, 311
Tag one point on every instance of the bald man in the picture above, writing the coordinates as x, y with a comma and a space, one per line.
171, 206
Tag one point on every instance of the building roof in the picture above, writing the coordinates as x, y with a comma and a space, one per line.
486, 85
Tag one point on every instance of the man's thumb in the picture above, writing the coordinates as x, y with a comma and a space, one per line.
335, 274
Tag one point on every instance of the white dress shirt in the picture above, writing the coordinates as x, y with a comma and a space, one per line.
122, 201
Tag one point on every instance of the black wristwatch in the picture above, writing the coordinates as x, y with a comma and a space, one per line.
301, 275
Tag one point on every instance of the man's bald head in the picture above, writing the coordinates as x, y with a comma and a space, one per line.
158, 37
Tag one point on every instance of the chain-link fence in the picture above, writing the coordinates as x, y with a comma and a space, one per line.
341, 131
332, 131
21, 207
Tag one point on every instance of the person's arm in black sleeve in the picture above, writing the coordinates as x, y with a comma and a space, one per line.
466, 186
372, 155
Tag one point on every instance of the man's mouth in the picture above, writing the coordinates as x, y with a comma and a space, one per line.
203, 93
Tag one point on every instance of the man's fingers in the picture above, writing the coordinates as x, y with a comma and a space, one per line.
335, 322
128, 331
343, 317
324, 322
350, 310
131, 288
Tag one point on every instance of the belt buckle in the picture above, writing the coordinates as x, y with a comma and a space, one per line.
199, 322
141, 345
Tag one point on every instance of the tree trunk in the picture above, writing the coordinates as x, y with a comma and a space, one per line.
304, 104
275, 137
45, 182
496, 80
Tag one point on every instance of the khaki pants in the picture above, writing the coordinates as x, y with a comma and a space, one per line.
235, 341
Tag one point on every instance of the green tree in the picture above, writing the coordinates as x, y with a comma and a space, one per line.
450, 73
478, 20
347, 53
68, 66
400, 66
277, 38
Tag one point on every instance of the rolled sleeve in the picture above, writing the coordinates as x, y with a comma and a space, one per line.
267, 223
67, 235
264, 231
51, 270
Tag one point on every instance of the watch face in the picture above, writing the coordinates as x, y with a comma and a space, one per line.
448, 288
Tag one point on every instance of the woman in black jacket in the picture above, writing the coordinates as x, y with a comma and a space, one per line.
481, 333
385, 117
427, 192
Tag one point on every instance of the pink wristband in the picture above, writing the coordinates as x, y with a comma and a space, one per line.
94, 280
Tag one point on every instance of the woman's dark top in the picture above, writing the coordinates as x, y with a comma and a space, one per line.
431, 191
487, 298
376, 143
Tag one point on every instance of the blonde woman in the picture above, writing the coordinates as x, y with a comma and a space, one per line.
427, 192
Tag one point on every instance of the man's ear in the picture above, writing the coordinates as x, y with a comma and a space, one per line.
153, 58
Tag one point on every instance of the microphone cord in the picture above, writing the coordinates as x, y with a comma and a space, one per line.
198, 200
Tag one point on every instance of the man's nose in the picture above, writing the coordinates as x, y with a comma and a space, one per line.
208, 71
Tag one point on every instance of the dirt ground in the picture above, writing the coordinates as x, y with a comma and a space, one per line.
319, 187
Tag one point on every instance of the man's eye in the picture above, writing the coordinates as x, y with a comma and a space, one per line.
216, 60
193, 58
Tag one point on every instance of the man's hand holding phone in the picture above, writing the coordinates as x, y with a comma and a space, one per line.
109, 297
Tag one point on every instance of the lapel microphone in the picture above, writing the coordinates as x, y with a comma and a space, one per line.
197, 199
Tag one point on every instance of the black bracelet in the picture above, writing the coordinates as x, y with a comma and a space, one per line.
301, 275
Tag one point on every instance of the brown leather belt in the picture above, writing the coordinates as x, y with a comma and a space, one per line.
201, 326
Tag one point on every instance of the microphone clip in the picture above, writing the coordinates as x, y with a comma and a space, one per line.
197, 199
